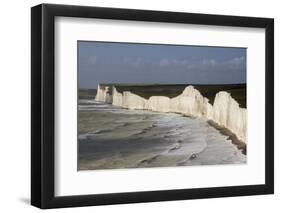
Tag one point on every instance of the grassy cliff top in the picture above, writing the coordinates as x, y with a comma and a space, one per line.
87, 93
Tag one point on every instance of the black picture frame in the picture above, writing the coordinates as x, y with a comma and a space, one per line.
43, 102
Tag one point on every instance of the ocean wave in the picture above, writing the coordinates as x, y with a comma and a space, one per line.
96, 108
84, 136
93, 106
88, 135
89, 101
144, 130
147, 160
175, 147
101, 131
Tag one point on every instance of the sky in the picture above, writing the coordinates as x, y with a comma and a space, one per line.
108, 62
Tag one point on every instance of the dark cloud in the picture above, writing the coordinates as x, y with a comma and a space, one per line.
138, 63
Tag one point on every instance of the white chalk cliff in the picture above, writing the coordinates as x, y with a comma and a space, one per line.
103, 94
225, 111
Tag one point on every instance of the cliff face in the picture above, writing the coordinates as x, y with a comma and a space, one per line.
118, 98
225, 111
104, 94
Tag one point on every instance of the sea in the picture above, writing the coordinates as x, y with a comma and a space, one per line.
111, 137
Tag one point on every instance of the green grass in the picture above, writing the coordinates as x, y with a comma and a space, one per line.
87, 93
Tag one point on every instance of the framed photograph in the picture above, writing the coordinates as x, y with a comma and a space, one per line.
139, 106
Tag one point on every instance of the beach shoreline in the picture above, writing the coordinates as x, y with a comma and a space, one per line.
231, 136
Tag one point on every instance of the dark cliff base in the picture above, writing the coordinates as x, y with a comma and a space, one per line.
231, 136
